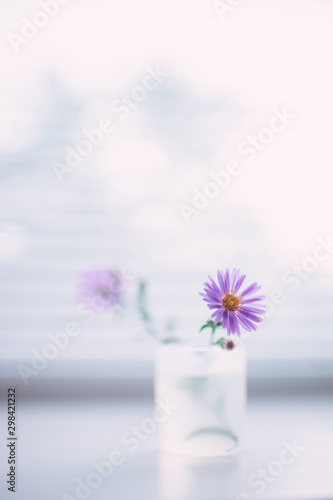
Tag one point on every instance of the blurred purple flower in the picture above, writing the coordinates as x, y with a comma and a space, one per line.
233, 308
101, 289
230, 345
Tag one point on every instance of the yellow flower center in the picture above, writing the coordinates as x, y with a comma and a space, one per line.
231, 302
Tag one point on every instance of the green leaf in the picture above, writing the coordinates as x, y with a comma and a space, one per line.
203, 327
221, 341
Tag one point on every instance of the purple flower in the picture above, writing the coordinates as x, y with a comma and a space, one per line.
230, 345
233, 308
101, 289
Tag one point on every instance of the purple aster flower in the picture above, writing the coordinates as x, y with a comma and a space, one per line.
232, 307
101, 289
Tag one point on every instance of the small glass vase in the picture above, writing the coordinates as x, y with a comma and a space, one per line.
204, 392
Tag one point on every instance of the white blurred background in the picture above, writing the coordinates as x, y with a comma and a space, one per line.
121, 206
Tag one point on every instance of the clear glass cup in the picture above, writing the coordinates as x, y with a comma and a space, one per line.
204, 392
